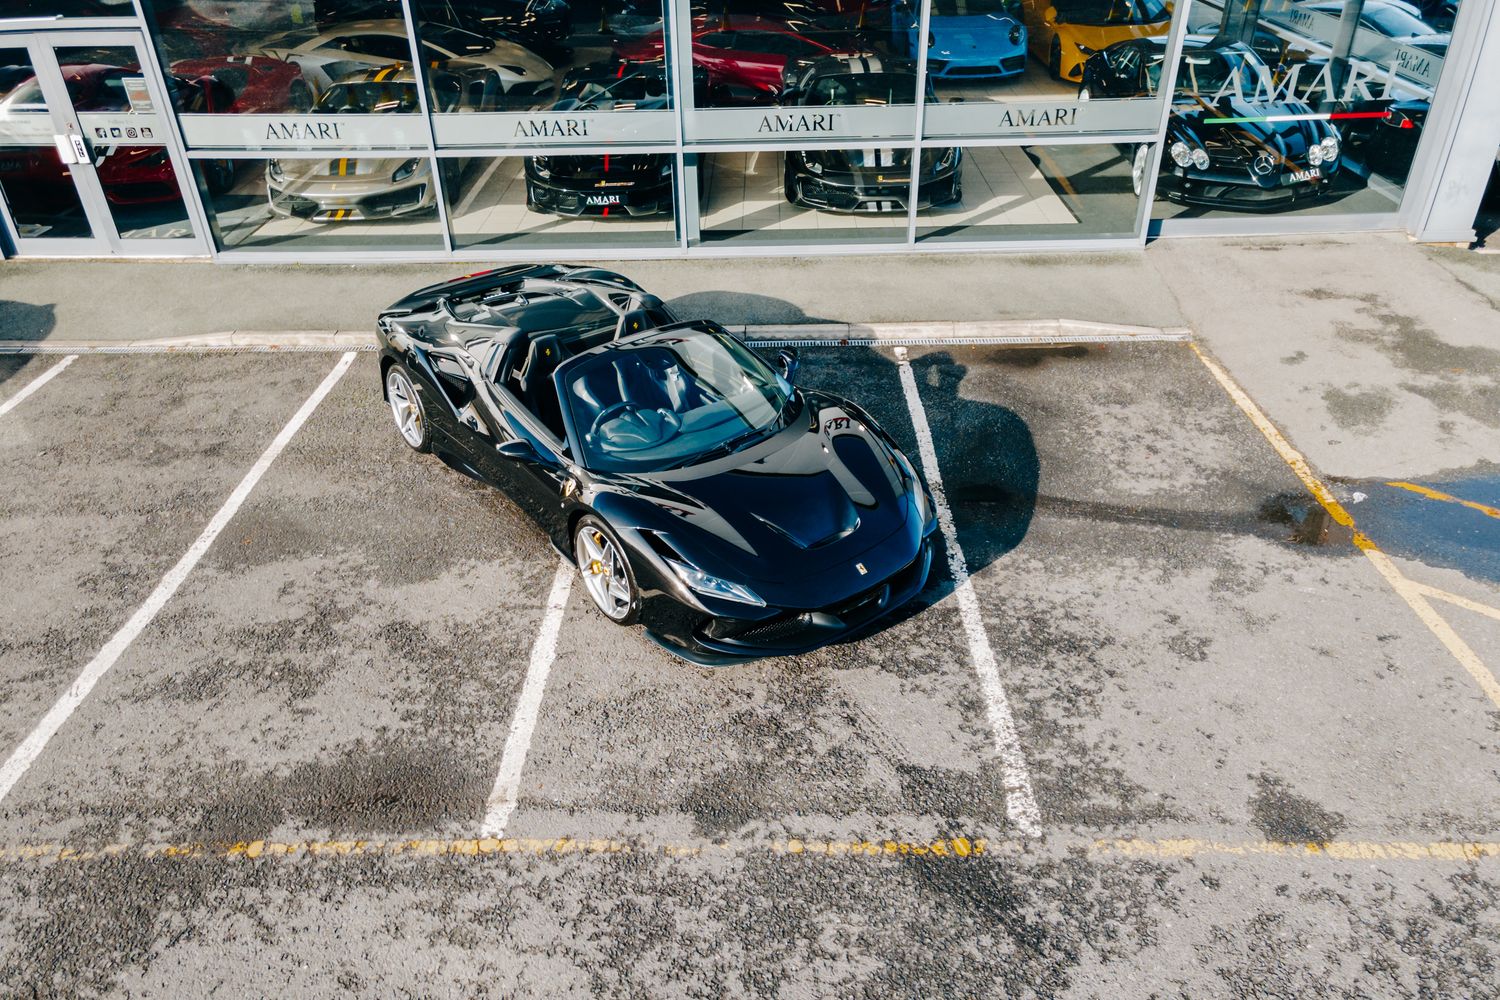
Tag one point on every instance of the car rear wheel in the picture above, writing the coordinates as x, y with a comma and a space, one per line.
790, 189
406, 408
606, 572
1138, 168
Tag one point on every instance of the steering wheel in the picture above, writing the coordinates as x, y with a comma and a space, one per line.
666, 427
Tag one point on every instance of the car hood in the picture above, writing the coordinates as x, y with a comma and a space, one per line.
343, 167
1289, 138
814, 497
965, 35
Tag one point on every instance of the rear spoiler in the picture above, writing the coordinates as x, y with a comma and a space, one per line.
475, 285
426, 299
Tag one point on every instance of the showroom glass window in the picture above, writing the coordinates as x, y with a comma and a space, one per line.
310, 134
1030, 68
548, 73
1300, 108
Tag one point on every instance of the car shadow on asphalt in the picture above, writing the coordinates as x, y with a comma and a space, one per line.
23, 321
987, 457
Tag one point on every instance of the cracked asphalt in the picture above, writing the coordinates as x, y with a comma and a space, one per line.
1198, 663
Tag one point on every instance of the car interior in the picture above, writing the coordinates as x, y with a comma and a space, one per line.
546, 327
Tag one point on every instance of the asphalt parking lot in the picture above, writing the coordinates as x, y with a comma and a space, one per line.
1255, 771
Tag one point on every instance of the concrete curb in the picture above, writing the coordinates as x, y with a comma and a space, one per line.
1025, 332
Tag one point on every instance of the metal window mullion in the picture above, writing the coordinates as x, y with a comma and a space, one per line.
177, 143
419, 80
1168, 88
677, 24
914, 194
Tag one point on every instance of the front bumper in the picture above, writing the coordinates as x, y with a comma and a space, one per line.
351, 199
723, 641
1222, 189
988, 67
585, 196
871, 191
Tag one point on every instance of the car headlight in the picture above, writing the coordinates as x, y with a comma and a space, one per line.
711, 586
949, 157
274, 171
1085, 49
1315, 154
406, 170
539, 166
1330, 146
813, 166
1016, 34
1200, 158
1181, 154
666, 169
517, 70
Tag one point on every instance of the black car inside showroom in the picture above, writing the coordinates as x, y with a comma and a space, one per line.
423, 129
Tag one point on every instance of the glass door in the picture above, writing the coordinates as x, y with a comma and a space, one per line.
87, 163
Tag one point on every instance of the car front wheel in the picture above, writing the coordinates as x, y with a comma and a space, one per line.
605, 570
406, 408
1138, 168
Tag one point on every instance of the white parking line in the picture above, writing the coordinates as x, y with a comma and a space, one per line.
30, 748
502, 800
36, 383
1020, 802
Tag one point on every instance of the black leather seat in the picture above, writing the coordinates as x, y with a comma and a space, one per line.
543, 355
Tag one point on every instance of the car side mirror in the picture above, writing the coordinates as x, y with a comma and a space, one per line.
786, 363
518, 450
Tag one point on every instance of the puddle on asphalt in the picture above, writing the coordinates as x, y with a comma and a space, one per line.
1309, 521
1438, 532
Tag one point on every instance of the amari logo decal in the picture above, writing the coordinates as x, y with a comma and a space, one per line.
302, 131
551, 128
826, 122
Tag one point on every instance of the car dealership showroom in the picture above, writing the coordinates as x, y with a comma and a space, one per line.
477, 129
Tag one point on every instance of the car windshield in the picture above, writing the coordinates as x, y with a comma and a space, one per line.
369, 97
1393, 22
1206, 71
672, 400
864, 88
1113, 12
455, 40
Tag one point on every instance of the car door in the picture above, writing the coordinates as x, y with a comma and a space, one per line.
537, 487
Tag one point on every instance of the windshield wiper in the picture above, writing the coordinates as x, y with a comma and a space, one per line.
730, 446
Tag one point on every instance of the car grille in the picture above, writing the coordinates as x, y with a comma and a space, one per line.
792, 629
1014, 64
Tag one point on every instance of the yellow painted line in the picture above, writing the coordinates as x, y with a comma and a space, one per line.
1409, 591
954, 849
343, 166
1336, 850
1433, 494
1462, 602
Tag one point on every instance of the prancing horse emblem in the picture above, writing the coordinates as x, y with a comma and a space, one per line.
861, 568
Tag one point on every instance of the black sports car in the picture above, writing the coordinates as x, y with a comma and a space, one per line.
697, 490
864, 180
1225, 148
623, 185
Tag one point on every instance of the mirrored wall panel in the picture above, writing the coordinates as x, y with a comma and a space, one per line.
851, 195
1307, 108
342, 203
1062, 192
611, 200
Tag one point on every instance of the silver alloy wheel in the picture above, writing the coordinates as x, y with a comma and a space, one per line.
405, 407
603, 570
1138, 169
